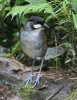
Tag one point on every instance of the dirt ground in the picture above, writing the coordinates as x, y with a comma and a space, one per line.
55, 84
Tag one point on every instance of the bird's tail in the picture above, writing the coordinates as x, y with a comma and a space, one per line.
54, 52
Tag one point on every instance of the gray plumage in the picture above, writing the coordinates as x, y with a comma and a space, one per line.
32, 41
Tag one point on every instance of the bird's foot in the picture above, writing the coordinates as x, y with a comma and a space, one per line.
36, 82
29, 80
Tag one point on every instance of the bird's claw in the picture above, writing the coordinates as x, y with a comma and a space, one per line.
26, 82
36, 82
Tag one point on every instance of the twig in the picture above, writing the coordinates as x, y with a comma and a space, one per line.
56, 49
52, 95
75, 78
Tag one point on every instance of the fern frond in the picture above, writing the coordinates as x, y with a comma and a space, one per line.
34, 2
46, 8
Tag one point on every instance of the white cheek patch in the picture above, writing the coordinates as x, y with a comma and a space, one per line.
37, 26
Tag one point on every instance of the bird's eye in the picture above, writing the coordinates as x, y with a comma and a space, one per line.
38, 22
41, 22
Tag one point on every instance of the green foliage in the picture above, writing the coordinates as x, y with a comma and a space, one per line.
3, 7
57, 13
41, 7
74, 20
26, 91
46, 8
19, 2
36, 2
14, 50
74, 5
72, 95
71, 52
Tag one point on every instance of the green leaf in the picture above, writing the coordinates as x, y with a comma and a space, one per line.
72, 95
63, 20
74, 5
15, 48
36, 1
20, 1
68, 60
1, 1
74, 20
46, 8
73, 52
68, 45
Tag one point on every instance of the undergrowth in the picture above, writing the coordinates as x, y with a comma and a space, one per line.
26, 92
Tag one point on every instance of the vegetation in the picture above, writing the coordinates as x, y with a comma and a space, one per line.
60, 15
72, 95
26, 92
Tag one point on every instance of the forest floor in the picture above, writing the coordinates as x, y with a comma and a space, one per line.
55, 84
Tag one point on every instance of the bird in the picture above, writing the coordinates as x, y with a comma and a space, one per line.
33, 41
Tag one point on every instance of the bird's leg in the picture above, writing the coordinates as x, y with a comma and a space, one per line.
38, 77
30, 76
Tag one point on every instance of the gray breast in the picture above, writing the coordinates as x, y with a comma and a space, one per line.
32, 42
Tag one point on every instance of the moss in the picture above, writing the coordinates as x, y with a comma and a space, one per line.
26, 91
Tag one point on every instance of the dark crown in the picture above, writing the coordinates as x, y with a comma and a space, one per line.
37, 20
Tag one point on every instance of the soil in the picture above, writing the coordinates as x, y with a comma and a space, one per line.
55, 84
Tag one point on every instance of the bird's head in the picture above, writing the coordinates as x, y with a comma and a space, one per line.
37, 22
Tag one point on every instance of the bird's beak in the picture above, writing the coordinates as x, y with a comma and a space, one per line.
45, 25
